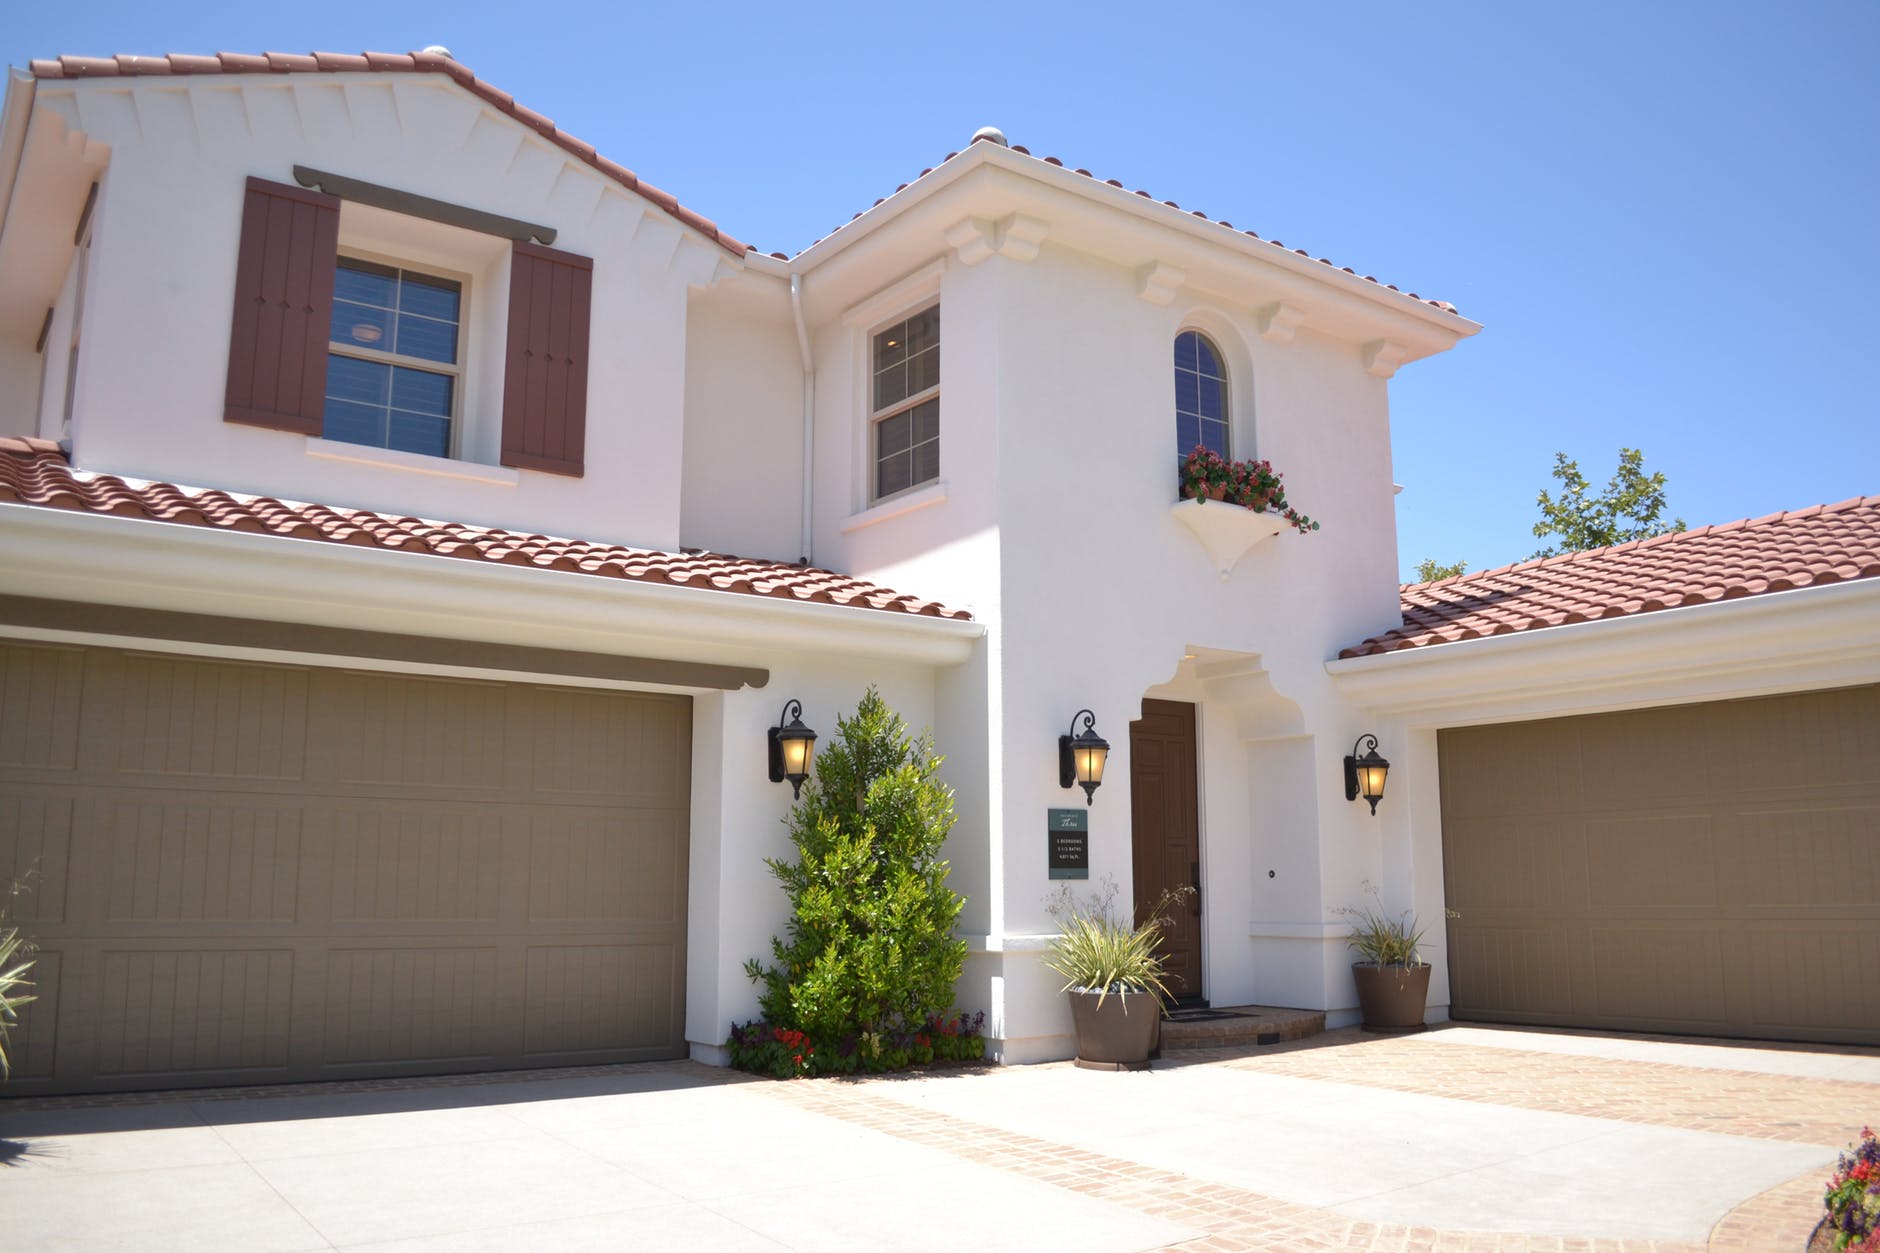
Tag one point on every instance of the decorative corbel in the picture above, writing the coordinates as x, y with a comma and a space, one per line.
1019, 236
1278, 321
972, 240
1383, 356
1157, 282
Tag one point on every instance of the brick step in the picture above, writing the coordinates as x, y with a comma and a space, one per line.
1231, 1027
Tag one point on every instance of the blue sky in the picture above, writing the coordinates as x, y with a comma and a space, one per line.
1664, 214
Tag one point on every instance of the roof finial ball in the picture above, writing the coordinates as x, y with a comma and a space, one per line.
440, 50
992, 133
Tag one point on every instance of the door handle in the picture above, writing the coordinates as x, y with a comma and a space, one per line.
1194, 875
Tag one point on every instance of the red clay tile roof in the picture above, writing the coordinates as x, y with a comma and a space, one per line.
382, 63
35, 472
1444, 305
1777, 553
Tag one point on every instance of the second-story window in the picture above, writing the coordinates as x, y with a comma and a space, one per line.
394, 362
905, 404
1200, 395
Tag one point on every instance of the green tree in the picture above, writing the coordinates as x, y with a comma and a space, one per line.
1631, 507
870, 948
1429, 570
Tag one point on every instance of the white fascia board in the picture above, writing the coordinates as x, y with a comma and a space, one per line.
98, 558
1193, 230
1806, 638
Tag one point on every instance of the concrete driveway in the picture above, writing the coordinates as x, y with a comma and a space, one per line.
1552, 1140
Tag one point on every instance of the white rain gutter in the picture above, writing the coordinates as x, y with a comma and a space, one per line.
806, 548
14, 115
103, 559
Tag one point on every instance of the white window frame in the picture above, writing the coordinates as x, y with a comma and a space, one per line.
904, 405
458, 370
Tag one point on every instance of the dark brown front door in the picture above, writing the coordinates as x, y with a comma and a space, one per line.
1166, 835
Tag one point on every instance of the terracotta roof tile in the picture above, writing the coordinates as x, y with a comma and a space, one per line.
35, 472
1023, 151
383, 62
1778, 552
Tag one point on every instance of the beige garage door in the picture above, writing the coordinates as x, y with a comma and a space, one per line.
1707, 869
254, 873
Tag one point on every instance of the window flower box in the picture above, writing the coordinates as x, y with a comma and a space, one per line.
1251, 507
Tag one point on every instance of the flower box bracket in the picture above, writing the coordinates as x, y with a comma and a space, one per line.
1226, 531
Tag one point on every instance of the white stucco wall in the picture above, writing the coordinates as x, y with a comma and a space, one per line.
153, 372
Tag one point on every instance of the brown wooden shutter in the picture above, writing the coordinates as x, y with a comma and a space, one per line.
283, 308
545, 371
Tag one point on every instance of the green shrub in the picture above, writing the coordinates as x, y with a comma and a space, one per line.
786, 1053
870, 958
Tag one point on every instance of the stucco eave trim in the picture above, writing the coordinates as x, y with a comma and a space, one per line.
147, 564
1806, 637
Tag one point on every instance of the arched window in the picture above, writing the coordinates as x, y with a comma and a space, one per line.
1200, 394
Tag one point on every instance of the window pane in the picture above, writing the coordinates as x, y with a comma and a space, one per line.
923, 371
894, 435
1214, 435
1185, 358
1187, 392
1213, 405
421, 391
429, 297
891, 475
427, 338
419, 433
891, 346
348, 378
926, 421
1187, 433
366, 283
1207, 360
365, 325
890, 387
923, 330
354, 423
927, 461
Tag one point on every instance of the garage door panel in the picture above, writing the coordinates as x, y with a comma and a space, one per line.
411, 734
1806, 855
1664, 974
412, 1004
416, 862
579, 739
252, 873
1511, 779
1819, 974
191, 719
1513, 970
164, 1011
1749, 905
1651, 861
36, 827
39, 689
588, 998
1530, 861
606, 866
189, 858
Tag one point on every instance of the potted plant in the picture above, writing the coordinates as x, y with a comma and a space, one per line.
1254, 485
1113, 972
1393, 979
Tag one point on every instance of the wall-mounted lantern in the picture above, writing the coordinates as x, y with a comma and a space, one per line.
1081, 756
1364, 776
791, 746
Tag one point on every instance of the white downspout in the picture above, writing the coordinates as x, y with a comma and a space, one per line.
809, 416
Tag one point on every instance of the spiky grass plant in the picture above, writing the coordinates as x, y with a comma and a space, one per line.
1098, 951
15, 961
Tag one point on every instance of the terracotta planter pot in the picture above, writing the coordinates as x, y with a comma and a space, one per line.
1120, 1033
1392, 997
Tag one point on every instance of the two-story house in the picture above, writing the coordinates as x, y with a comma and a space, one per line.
381, 695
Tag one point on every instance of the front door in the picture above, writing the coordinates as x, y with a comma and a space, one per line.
1166, 833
